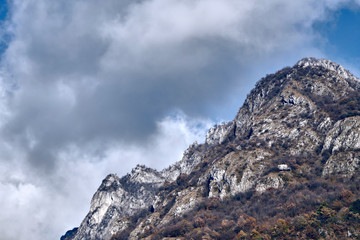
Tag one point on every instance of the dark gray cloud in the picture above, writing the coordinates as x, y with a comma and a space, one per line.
88, 73
91, 87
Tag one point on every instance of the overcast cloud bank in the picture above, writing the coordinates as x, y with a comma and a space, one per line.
90, 88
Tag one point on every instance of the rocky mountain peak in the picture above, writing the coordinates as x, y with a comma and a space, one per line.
143, 174
298, 129
325, 63
111, 181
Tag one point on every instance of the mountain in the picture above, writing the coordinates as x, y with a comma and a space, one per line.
287, 167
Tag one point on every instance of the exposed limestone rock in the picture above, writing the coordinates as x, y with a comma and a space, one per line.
219, 134
108, 194
271, 181
142, 174
236, 172
345, 164
340, 70
345, 135
186, 200
116, 199
325, 125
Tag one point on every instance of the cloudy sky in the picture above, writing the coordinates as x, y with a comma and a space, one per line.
91, 87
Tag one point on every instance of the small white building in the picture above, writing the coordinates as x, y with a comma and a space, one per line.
284, 167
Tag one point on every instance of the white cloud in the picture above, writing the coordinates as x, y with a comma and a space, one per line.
44, 208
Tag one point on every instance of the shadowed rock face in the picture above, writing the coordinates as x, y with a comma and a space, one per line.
300, 121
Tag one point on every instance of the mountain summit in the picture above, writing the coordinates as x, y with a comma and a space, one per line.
285, 168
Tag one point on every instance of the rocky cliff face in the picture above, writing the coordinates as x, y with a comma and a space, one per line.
116, 200
298, 125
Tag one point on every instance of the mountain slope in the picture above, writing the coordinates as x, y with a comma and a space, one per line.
285, 167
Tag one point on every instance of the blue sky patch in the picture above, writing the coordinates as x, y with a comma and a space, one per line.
3, 10
342, 35
3, 15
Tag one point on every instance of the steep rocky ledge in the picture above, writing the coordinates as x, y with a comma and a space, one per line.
298, 126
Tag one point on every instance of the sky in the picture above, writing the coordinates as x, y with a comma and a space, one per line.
89, 88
